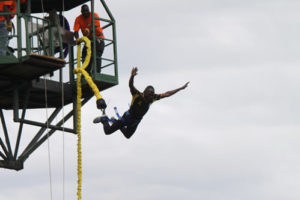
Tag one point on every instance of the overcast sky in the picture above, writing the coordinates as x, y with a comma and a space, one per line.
233, 134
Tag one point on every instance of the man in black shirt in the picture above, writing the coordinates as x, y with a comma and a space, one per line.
140, 104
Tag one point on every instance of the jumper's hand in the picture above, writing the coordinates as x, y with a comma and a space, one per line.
134, 71
185, 85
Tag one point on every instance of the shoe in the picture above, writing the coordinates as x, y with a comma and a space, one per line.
100, 119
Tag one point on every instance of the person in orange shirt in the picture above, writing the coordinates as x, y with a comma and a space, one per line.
13, 7
84, 23
5, 24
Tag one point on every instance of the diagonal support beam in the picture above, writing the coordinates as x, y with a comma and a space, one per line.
21, 124
42, 130
4, 148
34, 146
6, 134
3, 156
19, 136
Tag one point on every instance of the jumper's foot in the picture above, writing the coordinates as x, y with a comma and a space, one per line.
100, 119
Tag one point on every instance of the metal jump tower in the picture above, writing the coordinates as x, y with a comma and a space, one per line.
38, 48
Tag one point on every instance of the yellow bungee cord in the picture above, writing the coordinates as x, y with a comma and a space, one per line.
100, 102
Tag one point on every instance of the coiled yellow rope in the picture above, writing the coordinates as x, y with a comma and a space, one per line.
81, 70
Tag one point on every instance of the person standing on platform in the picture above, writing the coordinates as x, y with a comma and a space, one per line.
5, 24
84, 23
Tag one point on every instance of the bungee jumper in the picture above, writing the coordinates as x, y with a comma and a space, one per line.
140, 104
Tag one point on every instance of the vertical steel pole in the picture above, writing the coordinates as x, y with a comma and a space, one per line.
114, 38
19, 31
93, 39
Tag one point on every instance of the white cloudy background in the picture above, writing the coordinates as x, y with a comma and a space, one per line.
233, 134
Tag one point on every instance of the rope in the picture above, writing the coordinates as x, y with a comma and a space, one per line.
63, 113
46, 102
80, 70
63, 131
48, 142
63, 136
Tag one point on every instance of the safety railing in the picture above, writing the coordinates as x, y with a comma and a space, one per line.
36, 34
32, 34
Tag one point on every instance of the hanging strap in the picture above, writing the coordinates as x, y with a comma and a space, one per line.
117, 113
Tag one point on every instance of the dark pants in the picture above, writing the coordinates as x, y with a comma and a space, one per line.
126, 125
99, 51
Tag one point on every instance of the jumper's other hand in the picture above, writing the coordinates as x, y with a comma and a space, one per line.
134, 71
185, 85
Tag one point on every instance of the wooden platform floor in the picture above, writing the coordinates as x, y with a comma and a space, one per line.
54, 94
25, 76
31, 67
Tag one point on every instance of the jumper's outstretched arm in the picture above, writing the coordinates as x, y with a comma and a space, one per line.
131, 80
171, 92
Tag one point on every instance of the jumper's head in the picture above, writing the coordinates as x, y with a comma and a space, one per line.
85, 11
149, 93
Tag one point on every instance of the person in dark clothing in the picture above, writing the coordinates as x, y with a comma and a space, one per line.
140, 104
5, 24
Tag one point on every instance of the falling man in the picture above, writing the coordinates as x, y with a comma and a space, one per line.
140, 104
